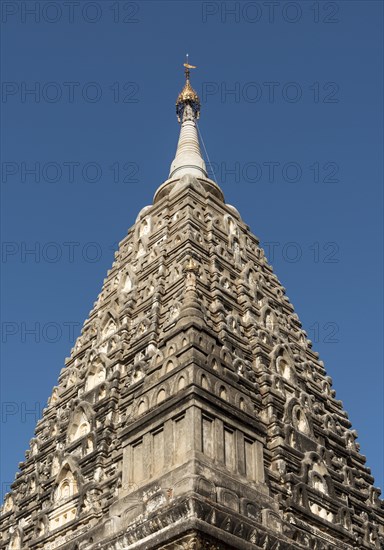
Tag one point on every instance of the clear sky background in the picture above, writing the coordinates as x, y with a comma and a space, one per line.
297, 148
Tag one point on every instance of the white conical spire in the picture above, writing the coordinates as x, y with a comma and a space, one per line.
188, 159
188, 164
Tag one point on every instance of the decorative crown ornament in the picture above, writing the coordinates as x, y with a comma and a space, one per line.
187, 96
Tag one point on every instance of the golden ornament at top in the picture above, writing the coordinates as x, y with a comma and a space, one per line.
188, 96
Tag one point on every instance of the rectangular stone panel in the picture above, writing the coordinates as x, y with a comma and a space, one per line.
180, 438
229, 449
250, 458
207, 436
137, 462
157, 451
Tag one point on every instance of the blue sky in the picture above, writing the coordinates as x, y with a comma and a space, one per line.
292, 121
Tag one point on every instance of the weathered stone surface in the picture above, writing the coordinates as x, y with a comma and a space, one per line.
192, 412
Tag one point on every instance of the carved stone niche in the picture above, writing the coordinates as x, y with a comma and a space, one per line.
300, 495
42, 526
316, 475
296, 416
228, 498
137, 372
81, 422
96, 372
15, 542
206, 488
250, 509
272, 520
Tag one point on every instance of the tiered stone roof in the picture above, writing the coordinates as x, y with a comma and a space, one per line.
193, 412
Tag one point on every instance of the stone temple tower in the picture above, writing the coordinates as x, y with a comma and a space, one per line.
192, 412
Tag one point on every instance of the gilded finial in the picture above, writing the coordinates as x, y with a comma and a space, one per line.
188, 67
187, 96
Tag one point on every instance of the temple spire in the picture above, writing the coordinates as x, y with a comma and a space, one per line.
188, 159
